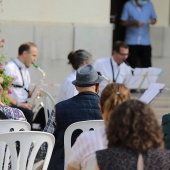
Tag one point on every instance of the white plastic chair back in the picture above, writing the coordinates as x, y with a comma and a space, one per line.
82, 125
48, 103
11, 126
26, 139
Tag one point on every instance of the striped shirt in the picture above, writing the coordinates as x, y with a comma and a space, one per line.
85, 147
50, 128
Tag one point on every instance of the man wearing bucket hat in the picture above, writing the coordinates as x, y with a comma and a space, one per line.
81, 107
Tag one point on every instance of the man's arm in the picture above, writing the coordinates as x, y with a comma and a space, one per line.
153, 21
15, 102
153, 17
31, 91
131, 23
125, 17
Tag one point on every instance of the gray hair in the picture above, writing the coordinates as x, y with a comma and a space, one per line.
77, 58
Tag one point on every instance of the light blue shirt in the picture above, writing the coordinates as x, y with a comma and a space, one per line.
131, 12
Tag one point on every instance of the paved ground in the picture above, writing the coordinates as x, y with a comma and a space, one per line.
161, 103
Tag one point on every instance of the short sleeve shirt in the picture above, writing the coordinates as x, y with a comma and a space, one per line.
131, 12
11, 69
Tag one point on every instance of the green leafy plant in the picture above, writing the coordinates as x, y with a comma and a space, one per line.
7, 80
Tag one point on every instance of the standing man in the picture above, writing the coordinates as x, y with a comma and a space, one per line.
82, 107
137, 15
18, 69
114, 68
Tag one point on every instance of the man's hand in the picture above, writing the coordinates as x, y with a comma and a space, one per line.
139, 24
152, 21
26, 105
32, 91
132, 23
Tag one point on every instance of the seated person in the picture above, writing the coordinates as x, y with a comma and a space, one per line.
18, 69
114, 68
134, 138
112, 95
76, 59
10, 112
82, 107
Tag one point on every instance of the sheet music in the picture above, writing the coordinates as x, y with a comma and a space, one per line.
151, 77
142, 77
152, 91
134, 81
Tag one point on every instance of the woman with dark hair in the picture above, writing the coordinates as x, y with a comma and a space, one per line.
76, 59
83, 151
134, 136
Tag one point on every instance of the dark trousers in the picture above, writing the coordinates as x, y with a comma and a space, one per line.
140, 56
28, 113
40, 119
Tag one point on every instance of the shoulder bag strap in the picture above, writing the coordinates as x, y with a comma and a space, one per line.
140, 163
22, 79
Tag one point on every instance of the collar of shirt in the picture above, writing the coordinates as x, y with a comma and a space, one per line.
19, 63
135, 3
115, 65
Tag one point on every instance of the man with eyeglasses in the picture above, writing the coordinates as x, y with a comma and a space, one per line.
137, 15
114, 68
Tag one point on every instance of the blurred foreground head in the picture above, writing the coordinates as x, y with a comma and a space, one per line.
133, 125
112, 96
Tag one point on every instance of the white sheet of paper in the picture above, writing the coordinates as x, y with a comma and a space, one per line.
134, 81
152, 91
142, 77
151, 77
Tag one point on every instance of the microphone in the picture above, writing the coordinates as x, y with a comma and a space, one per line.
36, 66
106, 78
132, 69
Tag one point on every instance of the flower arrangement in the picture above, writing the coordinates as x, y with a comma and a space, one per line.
7, 80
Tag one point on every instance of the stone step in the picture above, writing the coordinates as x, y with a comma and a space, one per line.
159, 112
161, 102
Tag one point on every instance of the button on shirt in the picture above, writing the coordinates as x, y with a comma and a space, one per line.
104, 67
131, 12
11, 69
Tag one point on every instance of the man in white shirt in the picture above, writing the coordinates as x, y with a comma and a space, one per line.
114, 68
18, 69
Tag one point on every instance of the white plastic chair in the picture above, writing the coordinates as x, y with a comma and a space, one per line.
48, 102
82, 125
26, 139
9, 125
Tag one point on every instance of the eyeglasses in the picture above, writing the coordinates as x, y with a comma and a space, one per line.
123, 55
